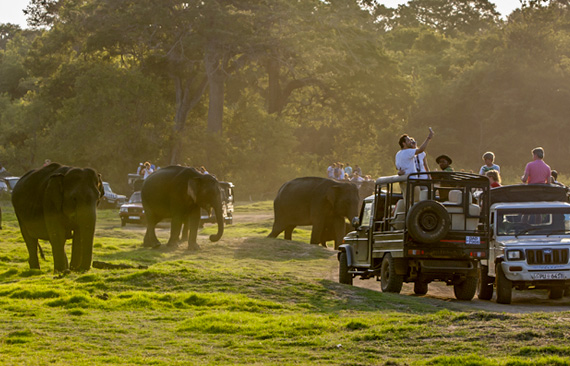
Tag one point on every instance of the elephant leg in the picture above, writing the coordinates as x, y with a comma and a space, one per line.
317, 232
277, 229
150, 239
193, 222
175, 227
339, 231
184, 237
76, 252
60, 262
32, 245
289, 232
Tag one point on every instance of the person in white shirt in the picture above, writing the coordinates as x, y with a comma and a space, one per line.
421, 162
405, 158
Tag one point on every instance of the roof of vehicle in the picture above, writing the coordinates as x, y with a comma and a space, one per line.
529, 193
457, 177
392, 179
539, 204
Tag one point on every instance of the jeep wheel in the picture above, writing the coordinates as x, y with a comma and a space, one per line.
428, 222
504, 286
420, 288
466, 289
343, 275
123, 222
556, 293
485, 285
389, 280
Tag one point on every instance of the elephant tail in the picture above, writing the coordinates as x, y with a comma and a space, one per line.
41, 252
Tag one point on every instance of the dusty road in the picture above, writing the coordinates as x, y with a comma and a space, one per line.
522, 302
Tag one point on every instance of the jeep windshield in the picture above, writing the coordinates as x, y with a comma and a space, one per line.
534, 221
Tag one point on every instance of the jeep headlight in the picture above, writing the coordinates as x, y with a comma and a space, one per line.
515, 255
124, 209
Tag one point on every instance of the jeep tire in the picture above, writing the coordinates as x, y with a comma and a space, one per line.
428, 222
389, 280
556, 293
485, 285
504, 286
343, 275
466, 289
420, 287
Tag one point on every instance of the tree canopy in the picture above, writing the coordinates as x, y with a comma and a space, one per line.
264, 91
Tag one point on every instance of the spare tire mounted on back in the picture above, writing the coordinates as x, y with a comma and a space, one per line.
428, 221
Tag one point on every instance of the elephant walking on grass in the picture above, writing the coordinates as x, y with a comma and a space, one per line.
320, 202
179, 193
57, 203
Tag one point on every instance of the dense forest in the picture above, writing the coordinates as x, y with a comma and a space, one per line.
262, 91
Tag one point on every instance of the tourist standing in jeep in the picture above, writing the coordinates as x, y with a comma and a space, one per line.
405, 158
537, 171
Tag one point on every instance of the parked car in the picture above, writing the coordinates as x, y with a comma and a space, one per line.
132, 211
111, 199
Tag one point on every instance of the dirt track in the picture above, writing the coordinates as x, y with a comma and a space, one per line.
523, 301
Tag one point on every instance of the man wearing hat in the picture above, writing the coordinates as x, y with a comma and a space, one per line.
444, 163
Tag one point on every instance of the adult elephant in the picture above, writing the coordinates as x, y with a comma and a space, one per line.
57, 203
179, 193
320, 202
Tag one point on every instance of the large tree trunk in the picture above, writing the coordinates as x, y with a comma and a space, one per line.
274, 94
214, 62
188, 94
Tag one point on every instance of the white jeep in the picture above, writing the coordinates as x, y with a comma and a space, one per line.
530, 242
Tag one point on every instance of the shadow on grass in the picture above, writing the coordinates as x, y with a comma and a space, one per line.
279, 250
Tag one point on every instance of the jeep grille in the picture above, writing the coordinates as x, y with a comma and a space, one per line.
547, 256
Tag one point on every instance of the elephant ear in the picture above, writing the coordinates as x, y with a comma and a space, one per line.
332, 193
54, 190
192, 189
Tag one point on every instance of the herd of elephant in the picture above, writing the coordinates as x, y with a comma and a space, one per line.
57, 203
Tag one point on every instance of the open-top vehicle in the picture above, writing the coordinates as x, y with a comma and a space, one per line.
420, 230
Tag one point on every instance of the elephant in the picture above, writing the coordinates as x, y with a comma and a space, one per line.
57, 203
179, 193
321, 202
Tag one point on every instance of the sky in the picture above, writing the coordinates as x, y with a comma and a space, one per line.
11, 10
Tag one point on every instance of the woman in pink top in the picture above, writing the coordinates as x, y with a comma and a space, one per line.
537, 171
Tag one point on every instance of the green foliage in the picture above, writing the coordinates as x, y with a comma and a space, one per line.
263, 92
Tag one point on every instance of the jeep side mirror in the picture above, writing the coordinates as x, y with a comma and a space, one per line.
356, 222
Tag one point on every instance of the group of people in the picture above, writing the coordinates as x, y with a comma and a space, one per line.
343, 171
145, 169
412, 159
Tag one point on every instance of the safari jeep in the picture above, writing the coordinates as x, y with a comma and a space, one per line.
419, 230
530, 242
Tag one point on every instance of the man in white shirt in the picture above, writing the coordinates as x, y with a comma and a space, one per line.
405, 162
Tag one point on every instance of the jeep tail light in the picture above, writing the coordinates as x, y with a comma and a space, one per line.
477, 255
415, 252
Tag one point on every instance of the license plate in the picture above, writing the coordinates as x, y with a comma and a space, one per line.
476, 240
134, 218
547, 276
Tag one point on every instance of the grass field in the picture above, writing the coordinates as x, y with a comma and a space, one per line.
246, 300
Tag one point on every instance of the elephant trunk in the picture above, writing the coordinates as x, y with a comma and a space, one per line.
220, 220
83, 233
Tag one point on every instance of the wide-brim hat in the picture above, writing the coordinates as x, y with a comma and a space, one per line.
443, 157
